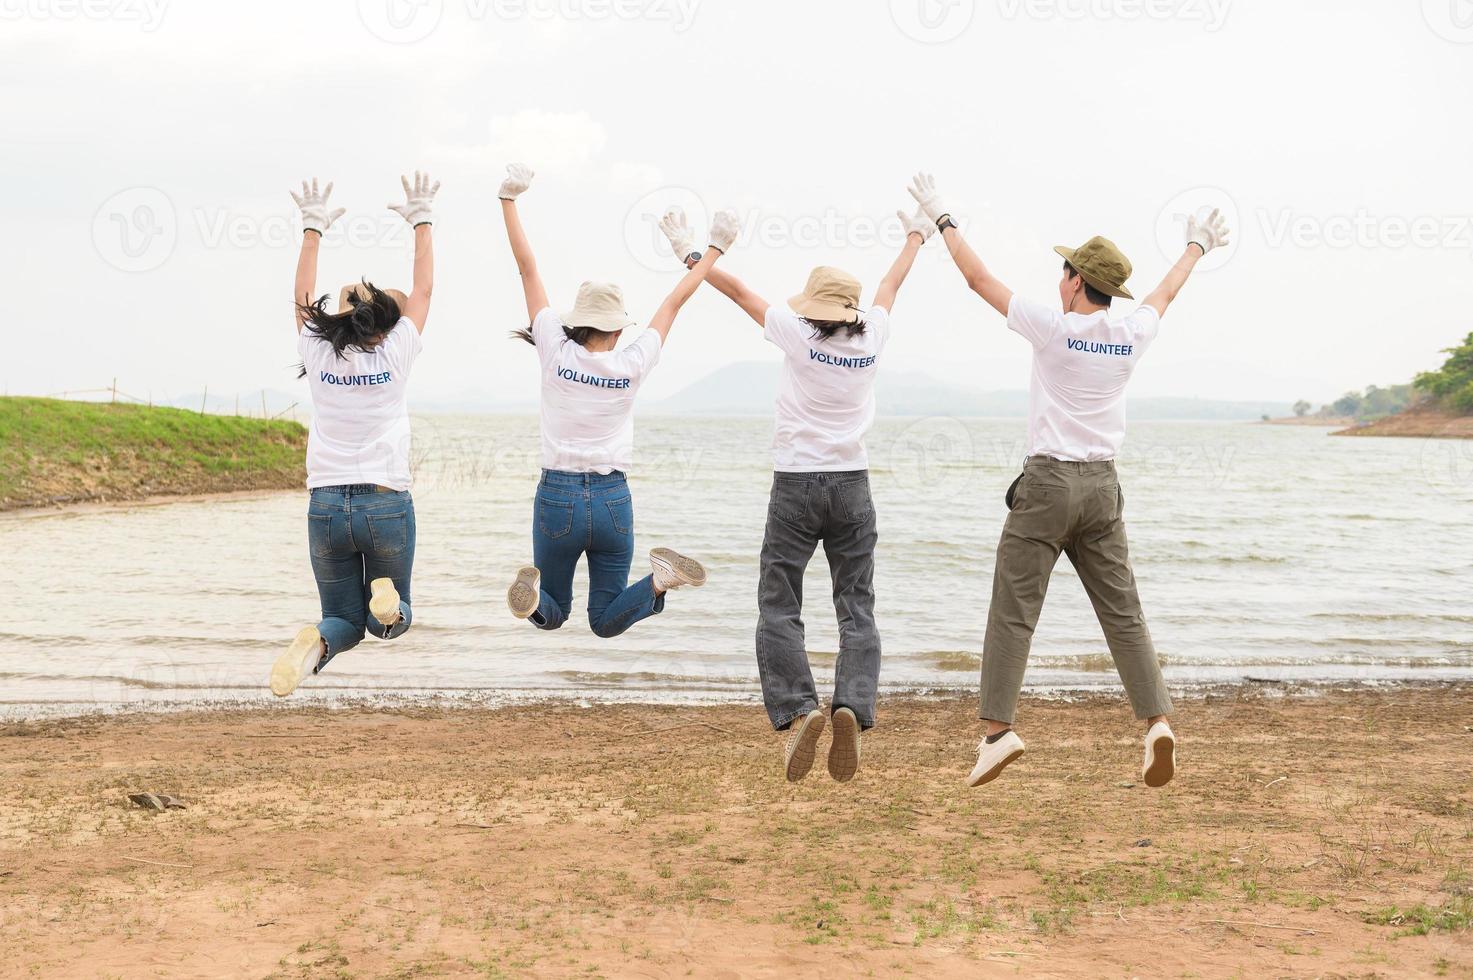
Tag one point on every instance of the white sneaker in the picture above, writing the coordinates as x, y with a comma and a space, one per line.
993, 759
383, 601
844, 749
299, 660
671, 570
802, 744
525, 594
1160, 755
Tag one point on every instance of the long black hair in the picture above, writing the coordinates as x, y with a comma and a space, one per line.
370, 315
827, 328
578, 335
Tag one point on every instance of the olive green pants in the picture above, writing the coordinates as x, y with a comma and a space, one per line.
1076, 508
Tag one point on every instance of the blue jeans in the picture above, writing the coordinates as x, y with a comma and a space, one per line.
358, 534
593, 514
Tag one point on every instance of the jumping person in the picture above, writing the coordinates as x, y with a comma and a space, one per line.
583, 504
1068, 497
820, 493
360, 521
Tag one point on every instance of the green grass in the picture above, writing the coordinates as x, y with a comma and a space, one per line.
53, 450
1420, 919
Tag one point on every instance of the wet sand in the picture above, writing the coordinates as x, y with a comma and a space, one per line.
1327, 835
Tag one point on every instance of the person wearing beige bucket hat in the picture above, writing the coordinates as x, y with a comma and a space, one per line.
1068, 498
832, 349
360, 516
582, 504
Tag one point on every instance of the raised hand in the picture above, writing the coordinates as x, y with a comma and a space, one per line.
518, 179
917, 224
923, 189
419, 200
677, 232
1207, 230
313, 205
725, 226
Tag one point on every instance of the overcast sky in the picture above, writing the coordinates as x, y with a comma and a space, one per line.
149, 145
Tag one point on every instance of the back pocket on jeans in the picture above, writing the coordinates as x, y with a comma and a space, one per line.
319, 535
789, 500
554, 517
855, 500
390, 534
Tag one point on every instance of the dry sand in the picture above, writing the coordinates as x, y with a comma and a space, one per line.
1319, 836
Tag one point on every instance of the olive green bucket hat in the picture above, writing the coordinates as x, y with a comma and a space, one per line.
1101, 264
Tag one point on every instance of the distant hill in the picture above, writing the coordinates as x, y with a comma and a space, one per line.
750, 387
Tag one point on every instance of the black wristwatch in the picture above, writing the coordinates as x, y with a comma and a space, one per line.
945, 222
692, 258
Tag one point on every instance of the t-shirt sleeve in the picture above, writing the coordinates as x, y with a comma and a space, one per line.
783, 328
877, 319
1033, 320
405, 342
643, 354
547, 329
1144, 324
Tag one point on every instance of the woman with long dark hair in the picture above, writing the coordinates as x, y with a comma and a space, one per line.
357, 360
832, 348
583, 505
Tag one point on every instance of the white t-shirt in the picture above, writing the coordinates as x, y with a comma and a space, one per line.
826, 400
360, 419
1081, 363
588, 398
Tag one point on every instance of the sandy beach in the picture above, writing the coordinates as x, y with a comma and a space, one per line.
1327, 835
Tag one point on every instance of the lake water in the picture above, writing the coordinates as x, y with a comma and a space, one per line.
1261, 551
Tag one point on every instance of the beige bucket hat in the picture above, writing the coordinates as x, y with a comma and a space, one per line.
599, 305
831, 294
357, 289
1101, 264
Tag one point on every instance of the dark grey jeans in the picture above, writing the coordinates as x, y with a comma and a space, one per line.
805, 509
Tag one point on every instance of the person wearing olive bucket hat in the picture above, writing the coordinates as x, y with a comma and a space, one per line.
1068, 498
582, 504
820, 493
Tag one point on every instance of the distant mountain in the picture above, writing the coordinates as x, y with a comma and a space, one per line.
750, 387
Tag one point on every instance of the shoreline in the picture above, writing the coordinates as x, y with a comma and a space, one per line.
86, 506
559, 841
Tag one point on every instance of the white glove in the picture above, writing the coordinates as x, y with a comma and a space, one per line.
1207, 230
923, 189
518, 178
677, 230
725, 227
313, 205
918, 224
419, 204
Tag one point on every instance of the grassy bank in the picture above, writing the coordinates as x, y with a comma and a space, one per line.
1416, 423
55, 451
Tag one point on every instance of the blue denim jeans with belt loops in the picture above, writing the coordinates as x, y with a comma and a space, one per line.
357, 534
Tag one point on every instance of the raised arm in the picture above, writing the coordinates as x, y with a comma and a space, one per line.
316, 219
724, 228
1204, 233
419, 210
674, 225
918, 228
979, 279
518, 179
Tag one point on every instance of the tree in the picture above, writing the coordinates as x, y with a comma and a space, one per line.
1451, 385
1302, 407
1349, 404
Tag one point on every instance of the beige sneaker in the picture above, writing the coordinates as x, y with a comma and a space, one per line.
844, 750
993, 759
671, 570
299, 660
525, 593
383, 601
1160, 763
803, 744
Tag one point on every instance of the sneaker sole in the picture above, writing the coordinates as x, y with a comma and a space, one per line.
844, 750
383, 602
287, 672
1163, 763
803, 753
688, 570
996, 770
525, 593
